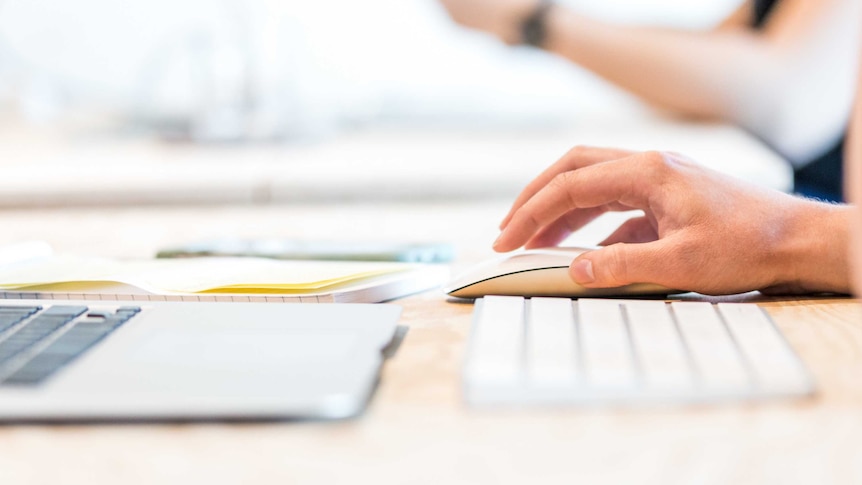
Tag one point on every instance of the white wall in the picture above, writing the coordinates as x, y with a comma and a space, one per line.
273, 67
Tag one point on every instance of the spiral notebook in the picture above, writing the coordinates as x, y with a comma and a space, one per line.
32, 271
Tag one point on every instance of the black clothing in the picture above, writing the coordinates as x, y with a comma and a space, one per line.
822, 177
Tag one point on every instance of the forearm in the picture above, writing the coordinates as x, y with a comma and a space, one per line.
807, 54
702, 74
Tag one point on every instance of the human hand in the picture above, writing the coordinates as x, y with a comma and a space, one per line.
853, 185
701, 230
501, 18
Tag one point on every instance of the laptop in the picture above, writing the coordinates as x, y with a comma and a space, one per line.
131, 361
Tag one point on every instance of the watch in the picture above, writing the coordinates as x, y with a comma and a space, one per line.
534, 27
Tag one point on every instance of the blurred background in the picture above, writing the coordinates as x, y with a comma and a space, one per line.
111, 103
245, 70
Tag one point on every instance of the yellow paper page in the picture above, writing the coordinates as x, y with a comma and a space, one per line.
196, 275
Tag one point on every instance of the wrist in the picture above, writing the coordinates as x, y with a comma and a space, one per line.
812, 254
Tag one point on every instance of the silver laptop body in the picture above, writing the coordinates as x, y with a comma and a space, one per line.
181, 361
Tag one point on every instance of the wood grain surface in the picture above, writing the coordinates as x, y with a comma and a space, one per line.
416, 429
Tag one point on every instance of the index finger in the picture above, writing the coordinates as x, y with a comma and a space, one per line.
627, 181
577, 157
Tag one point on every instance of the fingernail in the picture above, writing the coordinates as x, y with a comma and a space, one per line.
583, 271
497, 241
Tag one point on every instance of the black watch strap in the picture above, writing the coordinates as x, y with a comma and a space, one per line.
534, 27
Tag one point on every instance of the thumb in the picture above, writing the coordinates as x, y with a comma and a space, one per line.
619, 265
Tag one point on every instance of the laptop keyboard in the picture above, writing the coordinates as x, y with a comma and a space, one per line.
35, 342
561, 351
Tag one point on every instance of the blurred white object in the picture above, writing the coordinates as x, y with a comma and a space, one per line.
23, 251
683, 14
232, 69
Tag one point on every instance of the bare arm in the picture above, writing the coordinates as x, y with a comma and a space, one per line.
740, 18
853, 187
700, 230
807, 53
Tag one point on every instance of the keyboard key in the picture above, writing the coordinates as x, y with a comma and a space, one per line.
552, 357
20, 309
66, 348
776, 367
64, 310
58, 354
7, 322
497, 353
42, 324
717, 360
606, 347
35, 330
659, 351
10, 316
20, 341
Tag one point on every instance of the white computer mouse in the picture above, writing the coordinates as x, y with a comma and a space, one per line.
537, 272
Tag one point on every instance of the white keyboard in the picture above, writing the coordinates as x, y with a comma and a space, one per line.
561, 351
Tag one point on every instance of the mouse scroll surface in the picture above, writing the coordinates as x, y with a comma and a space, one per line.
537, 272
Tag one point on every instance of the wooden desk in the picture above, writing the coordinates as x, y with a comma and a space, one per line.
416, 429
